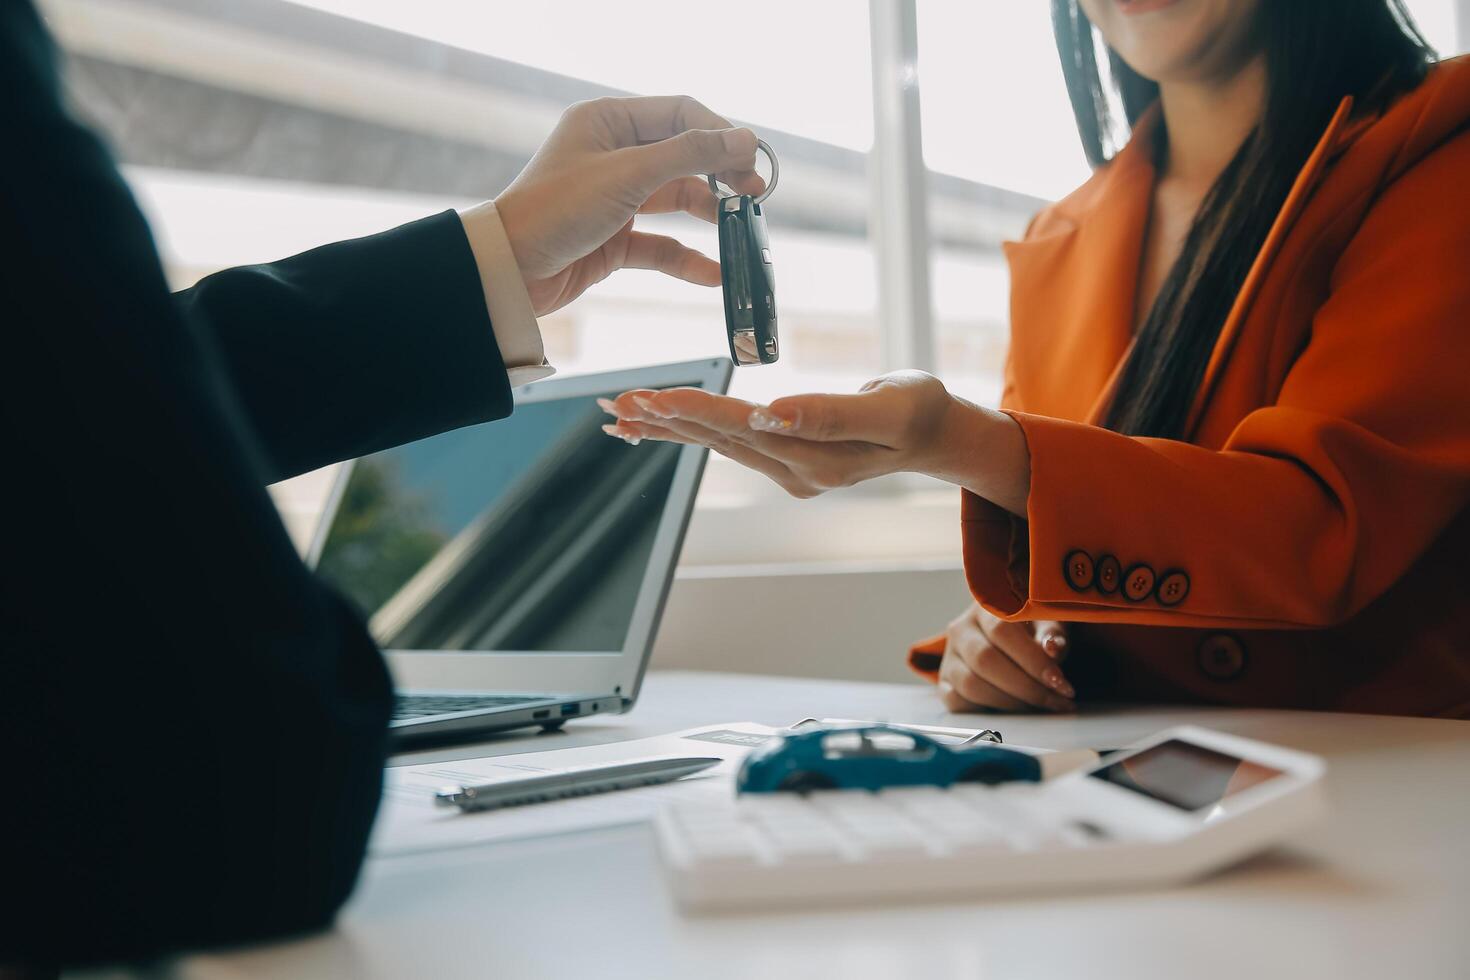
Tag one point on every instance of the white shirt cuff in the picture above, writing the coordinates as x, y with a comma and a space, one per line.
511, 316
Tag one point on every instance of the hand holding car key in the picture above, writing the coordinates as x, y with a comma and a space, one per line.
746, 274
749, 286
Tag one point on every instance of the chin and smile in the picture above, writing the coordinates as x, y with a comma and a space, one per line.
1178, 40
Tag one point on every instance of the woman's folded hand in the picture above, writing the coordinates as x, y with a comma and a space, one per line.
990, 664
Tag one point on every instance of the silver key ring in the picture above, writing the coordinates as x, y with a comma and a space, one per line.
760, 144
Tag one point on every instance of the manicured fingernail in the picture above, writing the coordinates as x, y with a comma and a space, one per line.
1057, 682
1054, 644
607, 406
764, 420
648, 406
621, 433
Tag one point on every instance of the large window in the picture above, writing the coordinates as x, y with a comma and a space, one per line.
995, 113
256, 128
757, 74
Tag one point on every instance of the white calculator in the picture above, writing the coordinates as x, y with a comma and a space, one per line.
1181, 804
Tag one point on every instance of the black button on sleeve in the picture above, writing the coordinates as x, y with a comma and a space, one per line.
1109, 574
1078, 569
1138, 582
1173, 587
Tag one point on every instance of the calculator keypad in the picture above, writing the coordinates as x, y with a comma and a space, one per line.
907, 823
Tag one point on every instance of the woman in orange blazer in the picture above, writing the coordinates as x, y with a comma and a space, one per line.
1232, 460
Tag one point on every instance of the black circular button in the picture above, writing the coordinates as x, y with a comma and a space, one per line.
1078, 569
1138, 582
1221, 656
1173, 587
1109, 574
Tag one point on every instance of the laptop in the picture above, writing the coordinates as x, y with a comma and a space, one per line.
515, 572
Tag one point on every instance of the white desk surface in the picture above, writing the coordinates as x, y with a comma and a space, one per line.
1381, 889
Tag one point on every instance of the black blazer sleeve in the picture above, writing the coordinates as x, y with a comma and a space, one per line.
193, 725
356, 346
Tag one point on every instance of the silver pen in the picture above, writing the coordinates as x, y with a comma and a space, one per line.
578, 782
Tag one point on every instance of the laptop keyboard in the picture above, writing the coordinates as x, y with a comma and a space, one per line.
423, 705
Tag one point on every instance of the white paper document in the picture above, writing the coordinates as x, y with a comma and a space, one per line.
409, 821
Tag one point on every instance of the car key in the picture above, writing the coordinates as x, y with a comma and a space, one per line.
746, 274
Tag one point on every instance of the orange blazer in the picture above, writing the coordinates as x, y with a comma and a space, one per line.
1308, 546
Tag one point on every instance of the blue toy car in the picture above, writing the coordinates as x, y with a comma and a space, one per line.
874, 756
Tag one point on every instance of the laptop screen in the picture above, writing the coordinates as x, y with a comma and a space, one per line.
530, 533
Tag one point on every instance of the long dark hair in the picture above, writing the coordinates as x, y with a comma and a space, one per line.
1316, 52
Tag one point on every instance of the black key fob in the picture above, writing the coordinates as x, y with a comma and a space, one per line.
747, 276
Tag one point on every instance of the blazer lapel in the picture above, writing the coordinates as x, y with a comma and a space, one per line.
1068, 342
